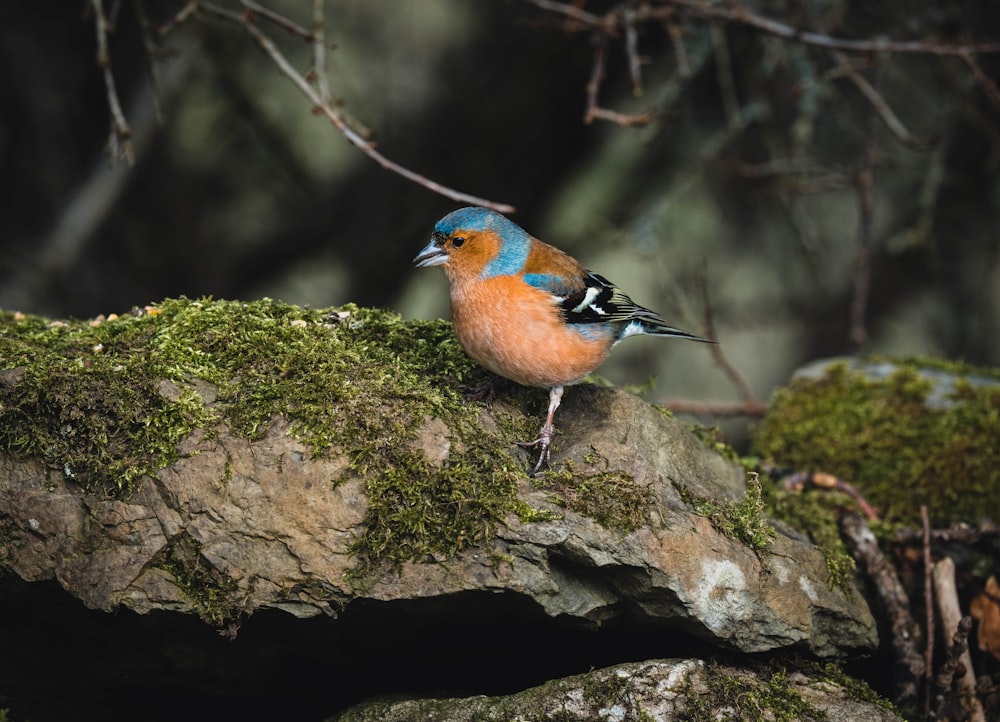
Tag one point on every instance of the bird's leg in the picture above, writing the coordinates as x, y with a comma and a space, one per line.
548, 430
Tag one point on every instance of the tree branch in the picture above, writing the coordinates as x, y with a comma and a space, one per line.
353, 137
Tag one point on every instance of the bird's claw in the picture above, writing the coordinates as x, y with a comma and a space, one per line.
544, 440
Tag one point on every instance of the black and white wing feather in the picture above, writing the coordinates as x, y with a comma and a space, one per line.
600, 301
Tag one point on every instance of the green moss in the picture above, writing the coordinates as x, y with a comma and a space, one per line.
611, 498
744, 520
712, 438
108, 403
216, 597
742, 698
816, 514
881, 436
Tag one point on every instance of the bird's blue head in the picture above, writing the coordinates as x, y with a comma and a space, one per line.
502, 244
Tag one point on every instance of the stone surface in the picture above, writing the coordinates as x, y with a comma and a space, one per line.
661, 690
270, 527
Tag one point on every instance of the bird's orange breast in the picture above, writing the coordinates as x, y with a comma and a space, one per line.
517, 331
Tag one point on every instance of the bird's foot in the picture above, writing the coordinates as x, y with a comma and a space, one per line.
544, 440
485, 393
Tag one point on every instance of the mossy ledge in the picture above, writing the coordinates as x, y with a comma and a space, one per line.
893, 438
107, 402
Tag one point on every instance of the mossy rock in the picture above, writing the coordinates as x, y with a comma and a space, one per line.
906, 433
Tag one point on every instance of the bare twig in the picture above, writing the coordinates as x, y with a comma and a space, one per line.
717, 409
120, 135
632, 50
319, 74
959, 661
863, 264
928, 609
958, 534
718, 355
958, 648
740, 14
865, 549
676, 34
572, 12
724, 74
736, 13
154, 53
989, 85
878, 102
801, 480
280, 20
593, 88
180, 17
352, 136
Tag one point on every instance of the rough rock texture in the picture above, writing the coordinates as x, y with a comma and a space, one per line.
661, 690
262, 525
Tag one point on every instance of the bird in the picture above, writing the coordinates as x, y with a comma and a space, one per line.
529, 312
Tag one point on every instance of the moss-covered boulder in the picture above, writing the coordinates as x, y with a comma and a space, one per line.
904, 432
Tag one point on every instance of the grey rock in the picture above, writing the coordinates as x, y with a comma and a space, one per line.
268, 524
662, 690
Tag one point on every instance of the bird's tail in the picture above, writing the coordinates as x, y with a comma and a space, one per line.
654, 325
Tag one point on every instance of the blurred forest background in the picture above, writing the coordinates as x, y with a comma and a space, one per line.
807, 194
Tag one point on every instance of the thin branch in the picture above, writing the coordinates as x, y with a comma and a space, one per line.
268, 46
989, 85
959, 626
879, 103
120, 135
572, 12
153, 55
958, 648
280, 20
680, 54
724, 75
865, 549
741, 15
735, 13
801, 480
928, 609
958, 534
718, 355
180, 17
632, 50
319, 74
716, 409
863, 264
593, 109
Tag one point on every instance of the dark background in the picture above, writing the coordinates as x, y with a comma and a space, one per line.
741, 194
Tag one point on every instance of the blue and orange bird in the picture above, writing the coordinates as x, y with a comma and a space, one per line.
529, 312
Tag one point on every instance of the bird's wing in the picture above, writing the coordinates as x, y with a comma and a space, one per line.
597, 300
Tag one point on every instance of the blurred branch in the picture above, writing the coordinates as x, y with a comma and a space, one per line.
321, 104
958, 663
928, 608
736, 13
989, 85
865, 182
593, 88
801, 480
878, 103
865, 549
319, 74
120, 136
750, 405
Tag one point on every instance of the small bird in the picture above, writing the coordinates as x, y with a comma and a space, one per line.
529, 312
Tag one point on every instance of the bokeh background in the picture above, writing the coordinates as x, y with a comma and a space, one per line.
742, 197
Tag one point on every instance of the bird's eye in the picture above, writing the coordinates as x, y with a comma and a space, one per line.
457, 241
